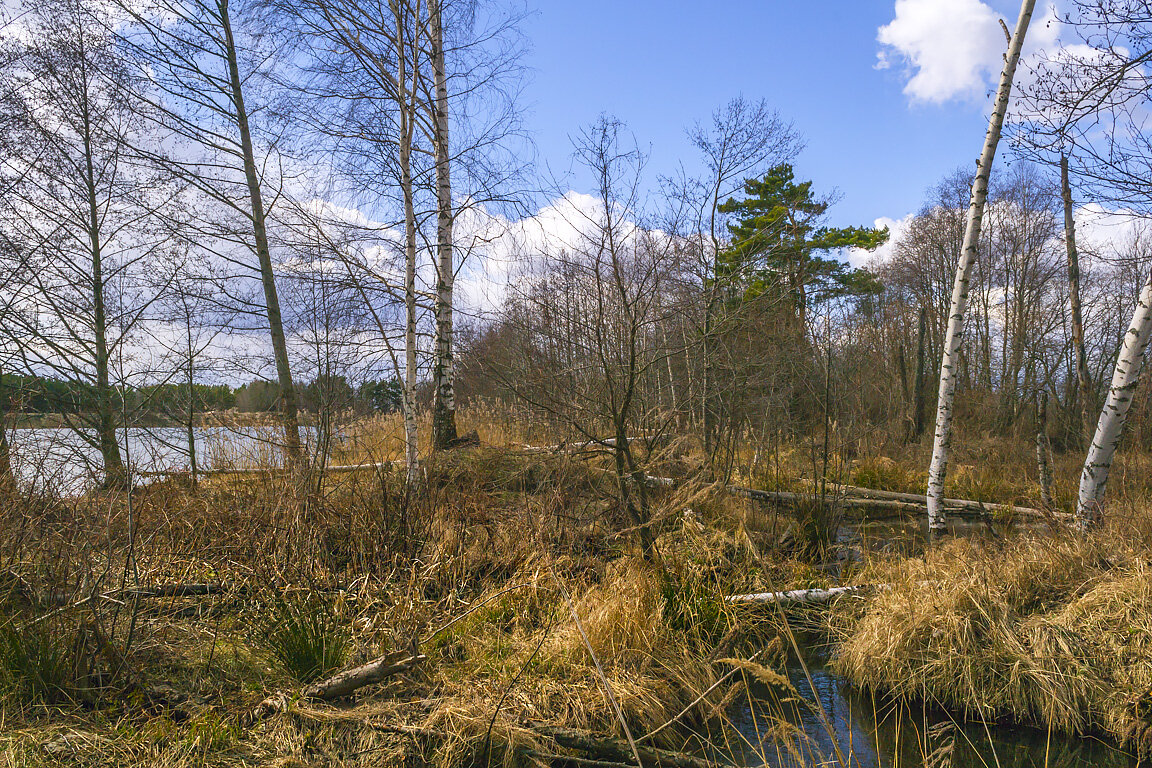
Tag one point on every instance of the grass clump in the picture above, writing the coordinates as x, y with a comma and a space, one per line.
307, 638
1053, 631
38, 664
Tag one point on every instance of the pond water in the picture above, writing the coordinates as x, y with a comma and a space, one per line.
62, 461
871, 733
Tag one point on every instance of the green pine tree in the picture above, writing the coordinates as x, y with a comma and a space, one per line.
781, 248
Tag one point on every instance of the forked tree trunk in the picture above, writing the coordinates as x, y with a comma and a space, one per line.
1094, 478
290, 416
1083, 380
937, 523
443, 371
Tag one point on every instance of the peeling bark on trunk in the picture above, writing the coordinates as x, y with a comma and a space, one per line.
290, 416
443, 372
948, 365
1083, 378
1126, 376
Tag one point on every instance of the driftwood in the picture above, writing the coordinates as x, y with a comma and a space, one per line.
349, 680
610, 749
802, 596
344, 683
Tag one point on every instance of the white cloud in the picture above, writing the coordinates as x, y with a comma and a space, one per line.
1102, 231
858, 257
953, 49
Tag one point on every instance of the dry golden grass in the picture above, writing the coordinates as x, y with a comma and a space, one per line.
494, 528
1053, 630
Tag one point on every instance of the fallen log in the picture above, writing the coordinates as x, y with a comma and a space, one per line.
950, 504
343, 683
803, 596
610, 749
267, 470
910, 504
184, 589
349, 680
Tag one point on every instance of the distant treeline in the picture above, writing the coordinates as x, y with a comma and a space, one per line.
42, 394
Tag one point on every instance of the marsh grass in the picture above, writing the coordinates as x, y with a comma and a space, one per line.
470, 568
1055, 631
41, 664
306, 637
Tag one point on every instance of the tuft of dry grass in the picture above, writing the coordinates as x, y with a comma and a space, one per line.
1050, 630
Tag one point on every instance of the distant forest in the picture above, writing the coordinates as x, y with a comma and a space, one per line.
42, 395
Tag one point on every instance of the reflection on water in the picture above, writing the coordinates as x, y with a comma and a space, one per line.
872, 734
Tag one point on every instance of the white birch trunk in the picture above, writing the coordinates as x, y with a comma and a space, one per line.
406, 99
948, 365
1115, 411
443, 374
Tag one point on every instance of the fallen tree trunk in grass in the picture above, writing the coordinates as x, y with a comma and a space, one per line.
952, 505
185, 589
803, 596
344, 683
268, 470
604, 751
608, 748
903, 503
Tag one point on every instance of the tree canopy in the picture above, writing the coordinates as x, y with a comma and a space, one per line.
781, 247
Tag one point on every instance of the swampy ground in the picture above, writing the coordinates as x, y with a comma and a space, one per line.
513, 577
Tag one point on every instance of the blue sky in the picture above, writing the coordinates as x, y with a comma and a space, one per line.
659, 65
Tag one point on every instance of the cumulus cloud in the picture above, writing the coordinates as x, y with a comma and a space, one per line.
858, 257
952, 49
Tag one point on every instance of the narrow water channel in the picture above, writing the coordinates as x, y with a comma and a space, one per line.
835, 724
872, 734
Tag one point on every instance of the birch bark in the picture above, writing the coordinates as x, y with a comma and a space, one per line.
938, 470
1125, 377
405, 104
444, 405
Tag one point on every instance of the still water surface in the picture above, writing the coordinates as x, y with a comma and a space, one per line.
61, 461
873, 734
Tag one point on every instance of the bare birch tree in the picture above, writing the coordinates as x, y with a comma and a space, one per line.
1125, 378
202, 57
943, 436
